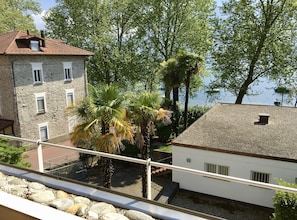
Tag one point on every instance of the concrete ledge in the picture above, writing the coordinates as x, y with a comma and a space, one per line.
19, 208
167, 193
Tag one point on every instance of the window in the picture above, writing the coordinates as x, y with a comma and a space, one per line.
69, 97
71, 123
34, 44
37, 73
214, 168
40, 103
43, 131
67, 71
260, 177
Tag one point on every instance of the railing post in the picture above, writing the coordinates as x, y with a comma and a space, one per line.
40, 157
149, 178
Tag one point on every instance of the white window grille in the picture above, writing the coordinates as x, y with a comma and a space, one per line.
260, 177
214, 168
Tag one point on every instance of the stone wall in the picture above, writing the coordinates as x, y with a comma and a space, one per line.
54, 87
7, 109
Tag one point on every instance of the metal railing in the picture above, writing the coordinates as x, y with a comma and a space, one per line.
149, 163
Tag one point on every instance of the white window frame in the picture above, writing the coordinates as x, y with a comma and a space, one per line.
71, 123
37, 69
215, 168
41, 126
69, 91
40, 96
260, 176
34, 45
67, 71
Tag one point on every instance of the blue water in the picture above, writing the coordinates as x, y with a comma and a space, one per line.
264, 94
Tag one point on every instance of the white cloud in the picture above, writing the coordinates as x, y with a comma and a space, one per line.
39, 23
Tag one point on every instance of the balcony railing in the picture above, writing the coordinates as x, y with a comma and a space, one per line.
149, 163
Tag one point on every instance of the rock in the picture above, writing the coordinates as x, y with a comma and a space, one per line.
74, 208
1, 175
80, 199
62, 203
36, 186
102, 208
92, 215
44, 196
3, 183
113, 216
16, 181
82, 211
62, 194
136, 215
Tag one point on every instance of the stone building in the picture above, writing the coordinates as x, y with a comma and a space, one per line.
39, 78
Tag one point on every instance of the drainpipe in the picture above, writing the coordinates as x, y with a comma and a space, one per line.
16, 113
86, 78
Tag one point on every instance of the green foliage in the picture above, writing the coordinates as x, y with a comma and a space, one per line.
163, 131
130, 38
194, 113
285, 204
14, 15
11, 154
254, 39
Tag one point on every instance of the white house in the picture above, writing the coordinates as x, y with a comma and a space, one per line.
247, 141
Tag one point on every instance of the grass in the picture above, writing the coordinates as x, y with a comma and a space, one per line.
165, 148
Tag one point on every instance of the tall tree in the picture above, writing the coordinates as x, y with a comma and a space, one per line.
144, 110
104, 123
253, 40
171, 25
107, 28
15, 15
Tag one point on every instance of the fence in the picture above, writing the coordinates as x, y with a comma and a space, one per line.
149, 165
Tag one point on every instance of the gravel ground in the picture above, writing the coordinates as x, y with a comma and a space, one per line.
220, 207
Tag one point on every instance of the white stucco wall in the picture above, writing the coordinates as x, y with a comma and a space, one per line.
239, 166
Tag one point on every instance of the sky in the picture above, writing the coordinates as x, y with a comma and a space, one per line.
45, 5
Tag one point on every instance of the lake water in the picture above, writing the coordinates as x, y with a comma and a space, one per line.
265, 96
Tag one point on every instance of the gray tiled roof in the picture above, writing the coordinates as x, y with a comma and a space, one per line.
233, 129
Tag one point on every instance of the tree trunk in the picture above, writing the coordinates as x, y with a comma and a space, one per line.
106, 163
244, 87
107, 170
145, 154
175, 109
187, 82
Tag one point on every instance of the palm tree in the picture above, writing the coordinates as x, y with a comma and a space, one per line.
188, 66
144, 110
178, 71
104, 123
172, 79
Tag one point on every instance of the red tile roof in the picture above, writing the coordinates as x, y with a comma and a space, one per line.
11, 43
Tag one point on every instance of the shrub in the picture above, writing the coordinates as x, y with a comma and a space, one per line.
11, 154
285, 204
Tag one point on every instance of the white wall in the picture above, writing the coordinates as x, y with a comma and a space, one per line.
239, 166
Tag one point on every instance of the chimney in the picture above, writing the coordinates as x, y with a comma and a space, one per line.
42, 36
263, 118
